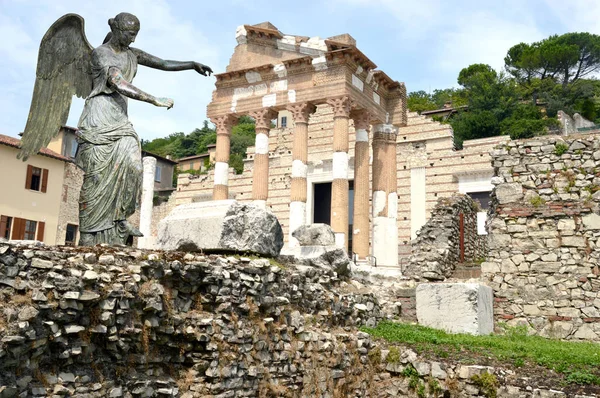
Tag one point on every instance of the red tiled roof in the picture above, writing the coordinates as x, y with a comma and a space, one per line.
16, 143
202, 155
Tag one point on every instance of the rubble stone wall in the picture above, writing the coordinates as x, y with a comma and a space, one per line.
115, 322
544, 240
437, 249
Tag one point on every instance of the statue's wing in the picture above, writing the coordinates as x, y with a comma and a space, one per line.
63, 70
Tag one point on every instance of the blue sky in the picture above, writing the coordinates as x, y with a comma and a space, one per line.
423, 43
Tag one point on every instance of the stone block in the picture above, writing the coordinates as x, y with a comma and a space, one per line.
222, 225
314, 235
509, 192
456, 307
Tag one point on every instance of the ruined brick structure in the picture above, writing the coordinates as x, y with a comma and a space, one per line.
545, 236
340, 122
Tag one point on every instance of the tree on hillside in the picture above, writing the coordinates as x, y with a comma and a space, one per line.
565, 58
495, 107
178, 145
420, 101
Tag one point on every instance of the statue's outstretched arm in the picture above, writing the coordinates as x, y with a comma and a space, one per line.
164, 64
116, 80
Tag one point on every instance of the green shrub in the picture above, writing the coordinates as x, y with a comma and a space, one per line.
560, 148
487, 384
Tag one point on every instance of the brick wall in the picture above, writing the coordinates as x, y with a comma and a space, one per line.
545, 236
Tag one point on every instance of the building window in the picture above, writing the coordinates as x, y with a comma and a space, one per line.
157, 173
5, 225
191, 166
30, 227
37, 179
71, 235
283, 121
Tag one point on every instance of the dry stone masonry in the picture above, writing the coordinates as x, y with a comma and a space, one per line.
116, 322
438, 247
544, 254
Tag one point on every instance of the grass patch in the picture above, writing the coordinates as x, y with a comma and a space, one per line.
578, 361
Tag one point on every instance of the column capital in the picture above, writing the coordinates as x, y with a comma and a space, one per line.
224, 123
341, 106
384, 133
362, 119
263, 117
301, 112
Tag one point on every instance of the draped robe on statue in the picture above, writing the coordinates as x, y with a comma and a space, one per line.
109, 154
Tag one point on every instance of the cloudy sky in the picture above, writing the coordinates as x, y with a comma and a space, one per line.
423, 43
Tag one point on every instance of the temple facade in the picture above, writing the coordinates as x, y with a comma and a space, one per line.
335, 143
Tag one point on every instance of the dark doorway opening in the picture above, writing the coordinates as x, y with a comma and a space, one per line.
322, 203
322, 207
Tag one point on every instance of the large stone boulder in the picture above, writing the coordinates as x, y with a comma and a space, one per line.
222, 225
325, 257
456, 307
314, 235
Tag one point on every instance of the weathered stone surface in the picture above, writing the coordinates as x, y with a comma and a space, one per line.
233, 318
470, 306
544, 247
42, 264
221, 226
509, 192
315, 235
437, 248
325, 257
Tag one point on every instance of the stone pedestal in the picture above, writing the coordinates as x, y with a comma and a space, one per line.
456, 307
147, 241
221, 225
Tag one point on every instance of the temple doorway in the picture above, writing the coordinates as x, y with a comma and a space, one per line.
322, 206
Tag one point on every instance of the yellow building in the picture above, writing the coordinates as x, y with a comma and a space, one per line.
40, 196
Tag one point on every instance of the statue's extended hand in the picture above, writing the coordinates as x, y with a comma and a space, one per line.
202, 69
164, 102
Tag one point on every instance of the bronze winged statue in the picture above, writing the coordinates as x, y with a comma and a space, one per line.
109, 149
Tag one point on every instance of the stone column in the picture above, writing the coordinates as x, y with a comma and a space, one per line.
385, 196
223, 125
339, 186
360, 239
300, 113
260, 176
146, 205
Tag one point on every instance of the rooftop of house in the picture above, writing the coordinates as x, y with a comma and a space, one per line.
158, 157
188, 158
16, 143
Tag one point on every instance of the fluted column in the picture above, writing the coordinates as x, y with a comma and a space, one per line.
360, 230
339, 186
300, 113
223, 125
260, 176
385, 197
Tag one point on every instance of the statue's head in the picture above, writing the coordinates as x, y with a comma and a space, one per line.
124, 28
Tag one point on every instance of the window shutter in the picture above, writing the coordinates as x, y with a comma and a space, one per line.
44, 180
3, 225
18, 232
40, 231
29, 175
